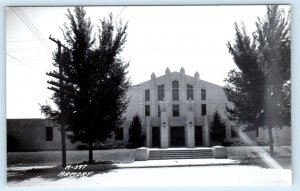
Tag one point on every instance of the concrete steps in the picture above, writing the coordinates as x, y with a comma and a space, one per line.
163, 154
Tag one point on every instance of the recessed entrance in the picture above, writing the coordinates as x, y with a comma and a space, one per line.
177, 136
156, 137
198, 136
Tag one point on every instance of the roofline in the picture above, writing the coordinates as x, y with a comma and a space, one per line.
172, 73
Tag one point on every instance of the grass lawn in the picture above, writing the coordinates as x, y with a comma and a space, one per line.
53, 158
251, 155
246, 154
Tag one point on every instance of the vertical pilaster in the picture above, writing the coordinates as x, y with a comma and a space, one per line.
182, 94
197, 95
148, 132
168, 92
206, 131
164, 130
153, 96
190, 126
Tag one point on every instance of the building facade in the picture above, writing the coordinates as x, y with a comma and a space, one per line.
176, 110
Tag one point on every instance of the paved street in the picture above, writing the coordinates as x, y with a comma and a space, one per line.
230, 175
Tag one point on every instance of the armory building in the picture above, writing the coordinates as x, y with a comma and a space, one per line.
176, 110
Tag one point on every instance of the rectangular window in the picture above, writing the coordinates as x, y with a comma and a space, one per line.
147, 95
158, 112
175, 90
119, 134
189, 92
234, 133
49, 133
203, 94
147, 110
160, 92
175, 110
203, 109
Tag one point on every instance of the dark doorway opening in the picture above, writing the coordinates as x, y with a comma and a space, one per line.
198, 136
177, 136
156, 137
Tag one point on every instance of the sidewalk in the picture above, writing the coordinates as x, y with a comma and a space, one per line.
147, 164
178, 163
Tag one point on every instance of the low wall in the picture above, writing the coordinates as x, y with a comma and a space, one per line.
142, 154
219, 152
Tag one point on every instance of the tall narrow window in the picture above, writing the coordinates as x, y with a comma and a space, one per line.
234, 133
203, 109
203, 94
175, 110
49, 133
160, 92
175, 90
147, 110
158, 110
189, 92
147, 95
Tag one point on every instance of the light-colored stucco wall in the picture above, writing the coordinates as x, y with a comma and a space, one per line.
215, 101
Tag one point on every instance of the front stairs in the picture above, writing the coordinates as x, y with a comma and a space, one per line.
180, 153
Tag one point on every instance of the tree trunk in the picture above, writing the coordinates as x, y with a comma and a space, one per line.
271, 141
91, 151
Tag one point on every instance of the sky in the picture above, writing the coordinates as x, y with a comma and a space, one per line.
193, 37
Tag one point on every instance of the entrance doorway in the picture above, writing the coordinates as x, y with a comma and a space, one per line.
198, 136
156, 137
177, 136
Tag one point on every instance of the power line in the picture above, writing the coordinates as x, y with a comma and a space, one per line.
24, 22
30, 26
17, 60
21, 40
120, 13
42, 38
28, 22
25, 49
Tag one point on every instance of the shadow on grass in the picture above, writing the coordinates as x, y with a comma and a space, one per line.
57, 173
284, 162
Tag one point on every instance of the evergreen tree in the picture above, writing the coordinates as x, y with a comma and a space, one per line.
259, 90
96, 85
217, 129
136, 137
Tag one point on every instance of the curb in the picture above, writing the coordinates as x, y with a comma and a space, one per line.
125, 166
179, 165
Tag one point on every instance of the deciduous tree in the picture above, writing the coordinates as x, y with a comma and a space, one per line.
259, 89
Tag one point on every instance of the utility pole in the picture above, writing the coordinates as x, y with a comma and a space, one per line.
61, 92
